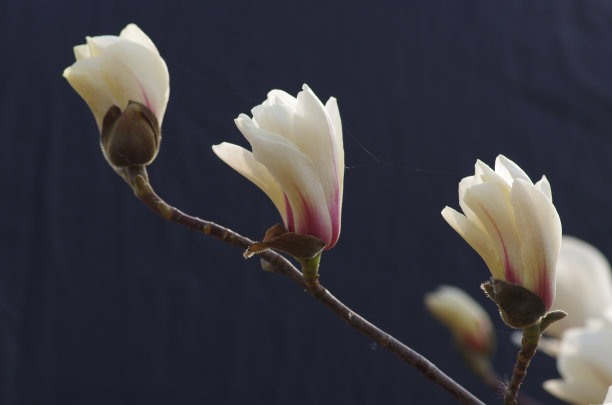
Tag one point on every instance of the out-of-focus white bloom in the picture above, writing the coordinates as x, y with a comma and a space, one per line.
114, 70
608, 398
512, 224
584, 284
585, 362
297, 160
466, 319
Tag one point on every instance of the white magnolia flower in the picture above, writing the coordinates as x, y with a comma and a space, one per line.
584, 284
512, 224
585, 362
113, 70
466, 319
297, 160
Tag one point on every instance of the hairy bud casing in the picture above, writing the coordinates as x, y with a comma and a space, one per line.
131, 137
518, 307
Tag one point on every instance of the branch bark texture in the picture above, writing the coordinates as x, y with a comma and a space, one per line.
280, 264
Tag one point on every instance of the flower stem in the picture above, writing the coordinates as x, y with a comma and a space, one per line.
308, 281
310, 267
491, 379
531, 337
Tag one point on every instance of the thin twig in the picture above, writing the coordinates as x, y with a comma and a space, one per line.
144, 191
495, 384
531, 336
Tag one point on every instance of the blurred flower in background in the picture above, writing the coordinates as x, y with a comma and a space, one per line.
471, 327
463, 316
608, 399
584, 284
585, 362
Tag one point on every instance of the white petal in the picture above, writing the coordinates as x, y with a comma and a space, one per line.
334, 115
593, 345
477, 238
314, 137
544, 186
539, 229
608, 399
86, 77
280, 97
276, 118
81, 51
297, 176
244, 163
584, 284
585, 361
134, 73
485, 174
584, 358
578, 393
98, 45
489, 203
509, 170
465, 184
482, 173
134, 34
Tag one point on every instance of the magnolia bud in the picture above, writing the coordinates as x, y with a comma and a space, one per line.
131, 137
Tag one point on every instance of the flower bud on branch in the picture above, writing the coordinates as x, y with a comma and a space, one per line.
125, 83
130, 138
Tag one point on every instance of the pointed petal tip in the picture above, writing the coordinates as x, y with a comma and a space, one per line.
242, 117
504, 161
241, 120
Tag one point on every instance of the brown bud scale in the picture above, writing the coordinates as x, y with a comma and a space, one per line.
131, 137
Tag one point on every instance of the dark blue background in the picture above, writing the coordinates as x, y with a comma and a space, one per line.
102, 302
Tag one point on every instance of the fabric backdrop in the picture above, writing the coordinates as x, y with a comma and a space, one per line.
102, 302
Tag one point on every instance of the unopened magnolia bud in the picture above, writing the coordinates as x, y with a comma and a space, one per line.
519, 307
131, 137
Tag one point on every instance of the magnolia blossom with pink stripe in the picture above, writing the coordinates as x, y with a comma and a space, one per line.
512, 224
297, 159
114, 70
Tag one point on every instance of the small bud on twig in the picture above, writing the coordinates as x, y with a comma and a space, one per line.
131, 137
